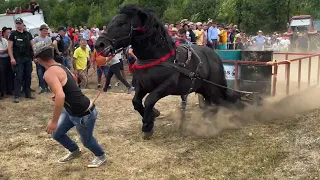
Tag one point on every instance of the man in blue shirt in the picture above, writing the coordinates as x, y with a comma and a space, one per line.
259, 41
66, 53
213, 34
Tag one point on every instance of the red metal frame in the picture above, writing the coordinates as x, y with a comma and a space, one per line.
276, 64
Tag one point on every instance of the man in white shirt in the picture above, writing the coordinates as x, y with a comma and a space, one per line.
6, 74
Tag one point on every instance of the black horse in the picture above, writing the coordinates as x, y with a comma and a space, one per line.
161, 68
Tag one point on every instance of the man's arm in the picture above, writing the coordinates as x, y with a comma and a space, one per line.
10, 52
55, 45
74, 59
53, 81
130, 52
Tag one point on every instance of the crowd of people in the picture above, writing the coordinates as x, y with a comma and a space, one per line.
218, 36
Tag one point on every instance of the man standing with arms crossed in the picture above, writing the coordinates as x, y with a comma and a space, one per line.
20, 51
71, 108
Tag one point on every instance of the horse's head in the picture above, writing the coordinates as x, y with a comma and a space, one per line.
128, 23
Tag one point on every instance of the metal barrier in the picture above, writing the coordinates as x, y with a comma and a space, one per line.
275, 65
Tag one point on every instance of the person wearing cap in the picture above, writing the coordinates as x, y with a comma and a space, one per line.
58, 44
71, 109
21, 54
6, 32
259, 41
40, 69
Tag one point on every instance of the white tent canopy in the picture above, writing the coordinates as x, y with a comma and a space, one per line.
32, 22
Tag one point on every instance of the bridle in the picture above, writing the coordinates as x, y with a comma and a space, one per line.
113, 41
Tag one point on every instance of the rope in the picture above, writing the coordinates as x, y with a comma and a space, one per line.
91, 62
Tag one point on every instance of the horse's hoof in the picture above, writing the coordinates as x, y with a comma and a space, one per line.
156, 112
147, 135
183, 105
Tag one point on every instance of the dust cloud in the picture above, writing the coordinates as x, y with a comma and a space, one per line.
272, 110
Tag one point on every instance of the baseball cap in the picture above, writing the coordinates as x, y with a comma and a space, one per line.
62, 28
259, 31
18, 21
39, 47
5, 28
43, 26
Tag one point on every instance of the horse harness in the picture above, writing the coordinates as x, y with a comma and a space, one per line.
181, 67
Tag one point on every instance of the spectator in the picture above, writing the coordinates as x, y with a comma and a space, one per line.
213, 35
21, 54
259, 41
199, 33
101, 66
58, 44
182, 37
66, 53
6, 32
43, 38
114, 63
6, 74
80, 60
222, 38
34, 6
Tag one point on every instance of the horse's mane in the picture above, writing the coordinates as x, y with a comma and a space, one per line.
149, 20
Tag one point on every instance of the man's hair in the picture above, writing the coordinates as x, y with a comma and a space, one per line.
82, 39
46, 55
182, 31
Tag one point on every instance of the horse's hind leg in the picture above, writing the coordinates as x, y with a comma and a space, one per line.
184, 99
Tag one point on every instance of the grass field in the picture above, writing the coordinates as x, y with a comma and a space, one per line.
277, 141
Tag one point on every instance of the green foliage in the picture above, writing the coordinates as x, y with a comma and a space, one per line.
249, 15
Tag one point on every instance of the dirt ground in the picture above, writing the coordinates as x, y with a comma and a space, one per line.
277, 141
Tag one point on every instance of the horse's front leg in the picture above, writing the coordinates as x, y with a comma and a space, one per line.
137, 99
161, 91
137, 102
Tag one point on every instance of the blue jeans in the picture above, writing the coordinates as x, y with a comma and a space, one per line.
67, 61
84, 126
103, 69
40, 73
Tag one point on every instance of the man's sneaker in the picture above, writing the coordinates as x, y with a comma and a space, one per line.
43, 91
15, 100
98, 161
116, 84
70, 156
130, 90
99, 86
